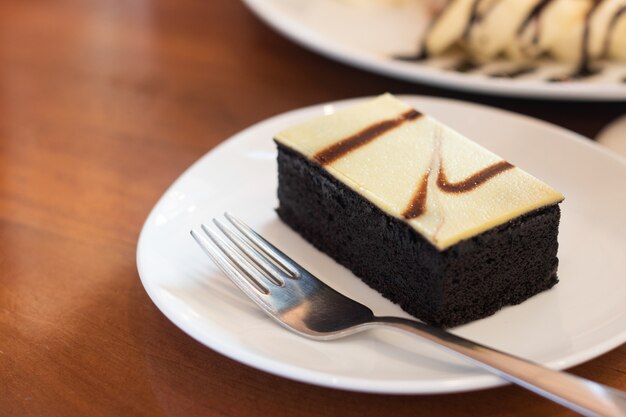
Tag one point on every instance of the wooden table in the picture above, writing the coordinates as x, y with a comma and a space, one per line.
102, 105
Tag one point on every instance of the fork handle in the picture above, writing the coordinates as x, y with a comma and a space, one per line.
581, 395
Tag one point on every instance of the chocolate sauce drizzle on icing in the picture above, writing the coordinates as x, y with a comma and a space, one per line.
417, 206
472, 182
368, 134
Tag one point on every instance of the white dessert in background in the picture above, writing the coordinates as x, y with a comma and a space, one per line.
569, 23
557, 29
449, 27
572, 31
497, 26
617, 49
607, 35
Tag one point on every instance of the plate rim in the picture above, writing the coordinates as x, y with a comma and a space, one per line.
310, 39
355, 384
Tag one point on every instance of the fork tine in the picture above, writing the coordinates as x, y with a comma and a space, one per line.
250, 270
235, 236
252, 290
270, 250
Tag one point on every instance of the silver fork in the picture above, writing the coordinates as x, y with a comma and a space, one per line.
302, 303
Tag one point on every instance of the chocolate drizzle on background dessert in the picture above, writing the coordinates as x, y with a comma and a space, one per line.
465, 65
363, 137
534, 16
420, 56
474, 18
514, 73
606, 46
584, 69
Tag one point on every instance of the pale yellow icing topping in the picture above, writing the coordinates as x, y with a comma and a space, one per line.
389, 169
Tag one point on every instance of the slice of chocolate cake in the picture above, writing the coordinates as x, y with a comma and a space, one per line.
431, 220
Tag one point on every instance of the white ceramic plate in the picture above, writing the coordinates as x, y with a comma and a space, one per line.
582, 317
369, 37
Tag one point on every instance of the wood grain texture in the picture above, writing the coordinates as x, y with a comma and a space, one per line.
102, 105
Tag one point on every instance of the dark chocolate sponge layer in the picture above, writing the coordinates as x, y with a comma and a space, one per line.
470, 280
